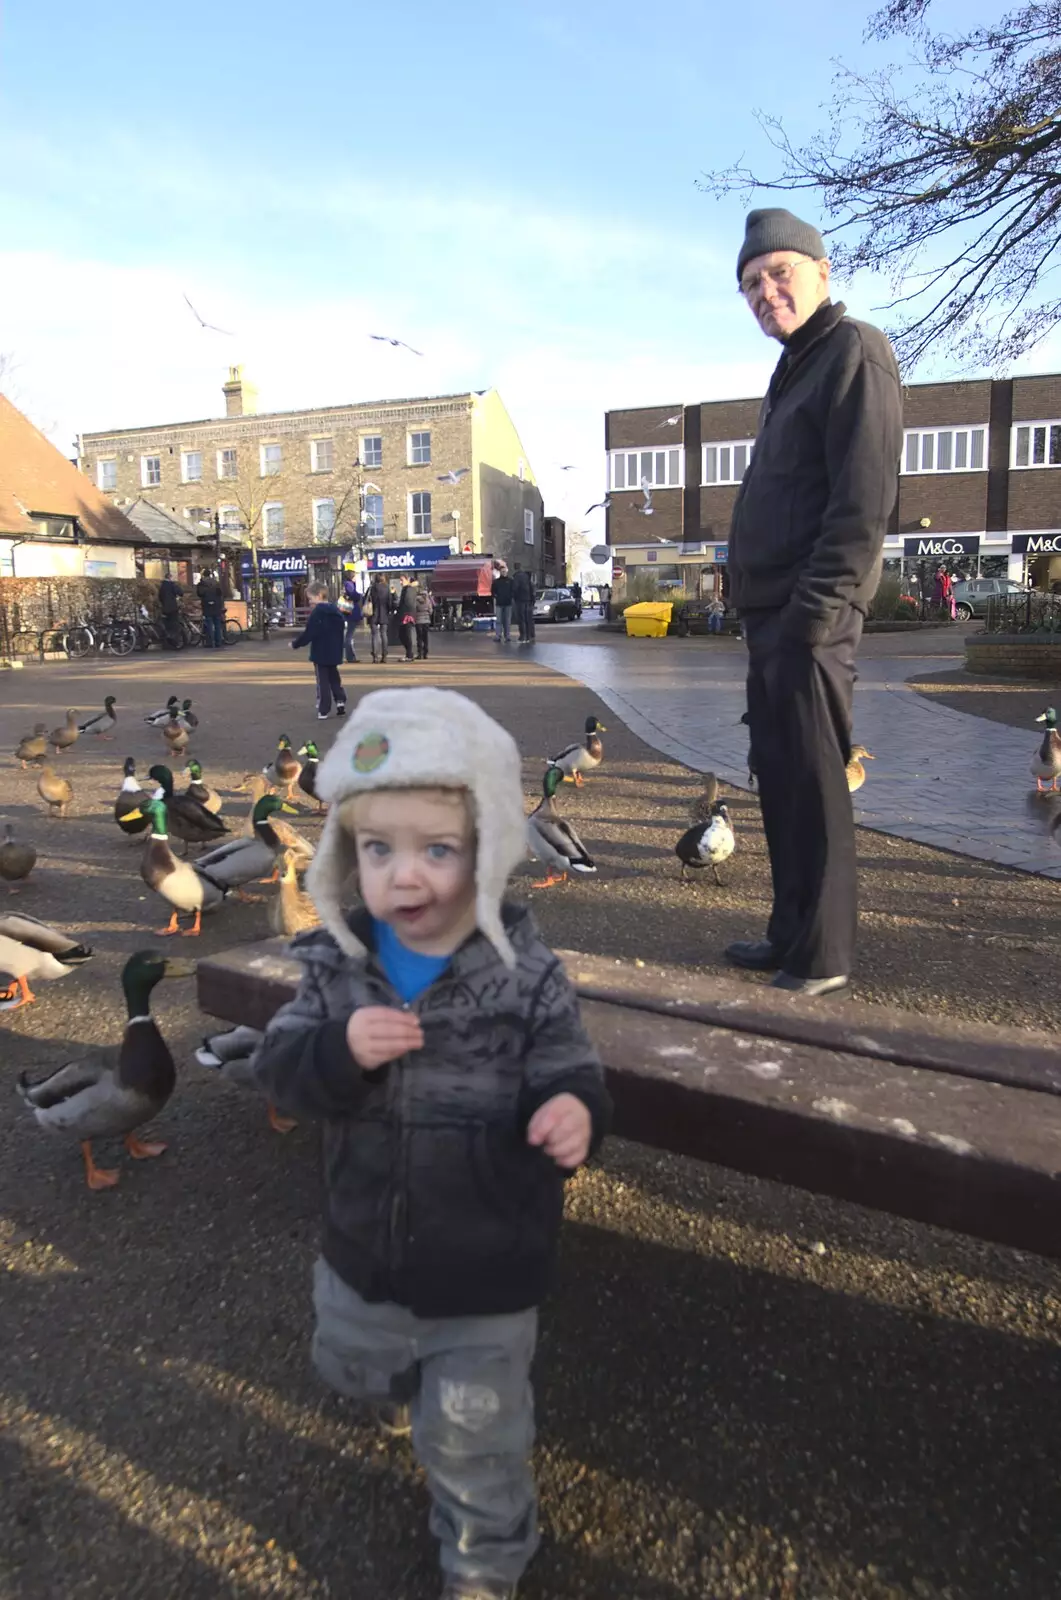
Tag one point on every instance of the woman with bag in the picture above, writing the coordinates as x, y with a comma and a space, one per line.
423, 612
407, 618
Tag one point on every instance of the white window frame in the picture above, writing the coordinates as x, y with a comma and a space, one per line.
1046, 424
528, 526
326, 500
273, 444
726, 457
267, 543
417, 433
425, 533
230, 518
184, 466
315, 455
363, 439
107, 461
228, 477
647, 464
145, 481
370, 529
928, 449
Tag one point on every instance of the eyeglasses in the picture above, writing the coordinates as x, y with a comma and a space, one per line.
779, 275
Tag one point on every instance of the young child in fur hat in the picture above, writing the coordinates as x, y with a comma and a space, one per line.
439, 1040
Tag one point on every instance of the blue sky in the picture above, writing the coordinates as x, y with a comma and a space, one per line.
509, 187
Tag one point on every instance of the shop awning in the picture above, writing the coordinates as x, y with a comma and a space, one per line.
459, 576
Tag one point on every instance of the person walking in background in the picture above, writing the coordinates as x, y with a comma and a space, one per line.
212, 603
605, 593
324, 631
407, 619
350, 606
169, 598
523, 601
805, 556
576, 595
502, 591
380, 604
423, 612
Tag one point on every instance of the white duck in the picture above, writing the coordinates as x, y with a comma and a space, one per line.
707, 844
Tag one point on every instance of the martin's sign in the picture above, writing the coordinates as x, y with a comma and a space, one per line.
926, 547
406, 557
1037, 544
278, 564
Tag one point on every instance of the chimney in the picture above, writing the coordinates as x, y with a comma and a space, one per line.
241, 397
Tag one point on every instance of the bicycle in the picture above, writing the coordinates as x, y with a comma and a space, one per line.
118, 636
77, 639
233, 631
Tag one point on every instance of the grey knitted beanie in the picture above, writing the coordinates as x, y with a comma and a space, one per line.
778, 230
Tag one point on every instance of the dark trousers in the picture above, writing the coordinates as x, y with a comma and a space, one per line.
407, 633
213, 631
524, 610
799, 715
423, 630
329, 683
348, 639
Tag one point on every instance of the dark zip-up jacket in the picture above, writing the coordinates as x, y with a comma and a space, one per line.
811, 515
433, 1198
324, 632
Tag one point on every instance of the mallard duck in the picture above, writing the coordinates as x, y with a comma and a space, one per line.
580, 758
241, 861
198, 790
62, 738
187, 819
707, 844
108, 1093
158, 719
176, 881
230, 1054
104, 722
292, 911
128, 807
176, 736
32, 949
552, 840
186, 717
286, 768
307, 778
856, 772
703, 805
255, 783
33, 746
56, 791
1046, 767
16, 860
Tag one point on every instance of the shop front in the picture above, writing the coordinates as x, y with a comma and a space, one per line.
396, 562
1039, 555
693, 570
285, 575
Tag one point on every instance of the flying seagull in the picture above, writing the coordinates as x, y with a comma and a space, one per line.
646, 489
399, 344
212, 326
601, 505
669, 422
454, 475
569, 468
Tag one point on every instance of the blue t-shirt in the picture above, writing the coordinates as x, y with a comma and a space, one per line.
408, 971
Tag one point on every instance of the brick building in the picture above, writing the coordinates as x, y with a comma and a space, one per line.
402, 482
975, 483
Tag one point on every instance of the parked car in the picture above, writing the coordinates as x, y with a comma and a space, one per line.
555, 605
973, 595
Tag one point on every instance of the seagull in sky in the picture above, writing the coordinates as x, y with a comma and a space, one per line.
669, 422
569, 468
399, 344
454, 475
646, 490
203, 324
601, 505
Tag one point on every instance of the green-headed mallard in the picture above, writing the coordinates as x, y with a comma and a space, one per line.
1046, 767
856, 772
241, 861
198, 790
292, 911
186, 717
177, 882
703, 805
62, 738
129, 806
285, 768
16, 860
230, 1054
256, 785
109, 1092
187, 819
707, 844
307, 778
158, 719
104, 722
579, 758
56, 792
32, 949
33, 746
552, 840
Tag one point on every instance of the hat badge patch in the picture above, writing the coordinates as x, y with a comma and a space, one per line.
371, 753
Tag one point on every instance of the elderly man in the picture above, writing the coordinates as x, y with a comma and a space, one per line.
804, 562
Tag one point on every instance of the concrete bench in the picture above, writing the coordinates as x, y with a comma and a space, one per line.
943, 1122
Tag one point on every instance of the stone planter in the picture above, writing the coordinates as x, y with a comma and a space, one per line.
1014, 655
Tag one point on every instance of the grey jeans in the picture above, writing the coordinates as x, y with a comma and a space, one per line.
503, 622
378, 632
467, 1380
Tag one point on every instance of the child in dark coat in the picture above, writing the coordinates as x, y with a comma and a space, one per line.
324, 633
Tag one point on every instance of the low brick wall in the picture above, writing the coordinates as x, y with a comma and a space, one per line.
1014, 655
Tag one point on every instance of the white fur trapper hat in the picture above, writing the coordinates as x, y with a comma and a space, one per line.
412, 739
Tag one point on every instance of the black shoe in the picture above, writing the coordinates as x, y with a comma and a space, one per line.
340, 711
810, 987
758, 955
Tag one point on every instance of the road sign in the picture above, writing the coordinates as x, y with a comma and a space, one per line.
599, 554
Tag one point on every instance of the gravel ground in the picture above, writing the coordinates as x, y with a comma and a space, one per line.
744, 1391
1016, 702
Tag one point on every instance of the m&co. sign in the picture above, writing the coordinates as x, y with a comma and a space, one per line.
925, 547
